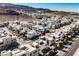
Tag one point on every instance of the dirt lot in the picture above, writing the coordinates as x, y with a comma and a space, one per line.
15, 17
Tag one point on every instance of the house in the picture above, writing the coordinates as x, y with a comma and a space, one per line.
6, 53
38, 28
7, 41
30, 51
31, 34
17, 52
51, 38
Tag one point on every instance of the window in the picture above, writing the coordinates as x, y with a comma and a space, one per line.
1, 43
7, 41
2, 47
24, 55
34, 52
31, 54
41, 43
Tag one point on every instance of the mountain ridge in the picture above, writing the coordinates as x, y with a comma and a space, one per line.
14, 7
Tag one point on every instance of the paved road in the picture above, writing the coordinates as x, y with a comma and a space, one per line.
73, 48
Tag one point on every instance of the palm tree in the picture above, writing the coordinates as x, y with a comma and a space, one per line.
69, 37
73, 34
65, 41
59, 44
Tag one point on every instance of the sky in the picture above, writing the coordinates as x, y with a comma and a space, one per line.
73, 7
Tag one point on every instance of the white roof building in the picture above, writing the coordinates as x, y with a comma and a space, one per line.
31, 34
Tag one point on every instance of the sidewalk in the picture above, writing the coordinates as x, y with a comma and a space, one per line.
76, 53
